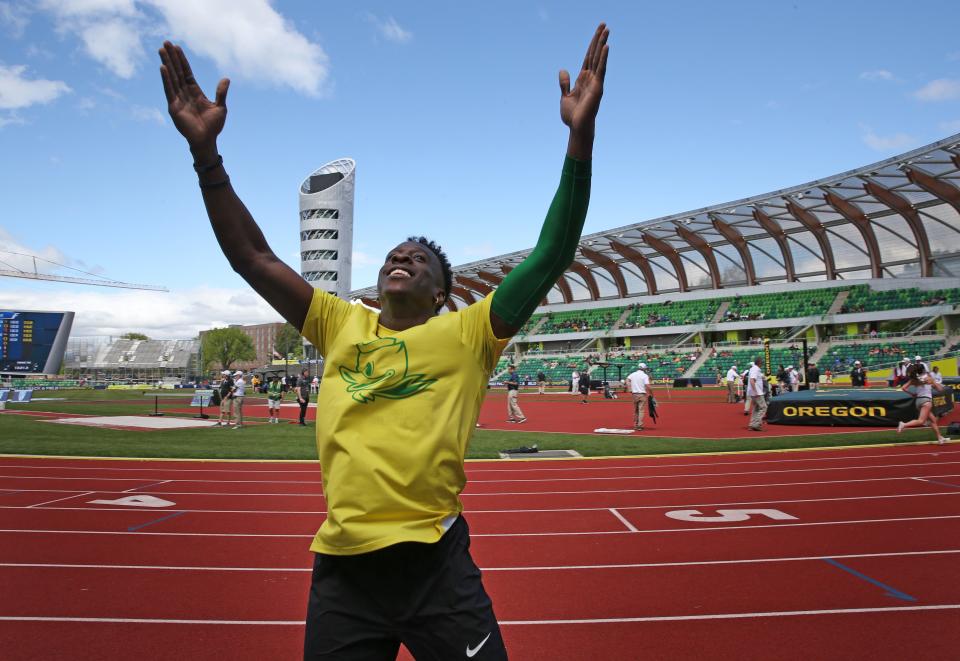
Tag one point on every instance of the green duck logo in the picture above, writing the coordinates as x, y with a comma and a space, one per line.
381, 371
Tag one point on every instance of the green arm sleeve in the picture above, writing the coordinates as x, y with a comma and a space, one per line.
525, 286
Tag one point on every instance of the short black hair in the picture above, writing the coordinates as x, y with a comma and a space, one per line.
444, 264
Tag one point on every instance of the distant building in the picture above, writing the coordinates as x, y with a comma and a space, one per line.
326, 227
264, 338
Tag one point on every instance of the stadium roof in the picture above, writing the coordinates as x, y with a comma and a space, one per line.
896, 218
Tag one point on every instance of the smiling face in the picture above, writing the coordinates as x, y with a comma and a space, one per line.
412, 270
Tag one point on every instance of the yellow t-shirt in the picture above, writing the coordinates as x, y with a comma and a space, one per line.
395, 412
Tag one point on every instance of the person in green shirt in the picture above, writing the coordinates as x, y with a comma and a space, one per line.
401, 393
274, 394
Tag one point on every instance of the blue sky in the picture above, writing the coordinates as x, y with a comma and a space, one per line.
451, 112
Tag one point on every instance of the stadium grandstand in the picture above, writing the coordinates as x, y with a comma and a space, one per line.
107, 359
862, 265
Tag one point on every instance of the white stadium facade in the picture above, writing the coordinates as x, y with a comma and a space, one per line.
326, 226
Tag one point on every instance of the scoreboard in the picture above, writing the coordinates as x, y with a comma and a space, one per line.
33, 342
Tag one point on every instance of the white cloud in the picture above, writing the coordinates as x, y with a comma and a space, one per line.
941, 89
877, 74
16, 91
114, 43
896, 142
245, 38
389, 29
180, 314
12, 118
145, 114
13, 18
248, 38
951, 126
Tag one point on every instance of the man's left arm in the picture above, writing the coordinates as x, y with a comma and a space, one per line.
525, 286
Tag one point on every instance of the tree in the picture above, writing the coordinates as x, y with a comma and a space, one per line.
288, 342
134, 336
226, 346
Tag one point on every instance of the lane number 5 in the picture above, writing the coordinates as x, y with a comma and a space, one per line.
727, 516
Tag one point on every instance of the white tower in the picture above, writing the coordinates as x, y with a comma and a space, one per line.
326, 227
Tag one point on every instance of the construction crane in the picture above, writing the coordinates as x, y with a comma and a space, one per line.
9, 270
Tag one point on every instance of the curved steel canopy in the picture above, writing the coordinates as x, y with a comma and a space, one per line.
852, 219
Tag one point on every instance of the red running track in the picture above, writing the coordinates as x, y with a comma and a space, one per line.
850, 555
683, 414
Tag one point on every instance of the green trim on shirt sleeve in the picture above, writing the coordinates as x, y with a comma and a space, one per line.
525, 286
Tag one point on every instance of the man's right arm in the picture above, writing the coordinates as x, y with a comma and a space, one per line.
200, 121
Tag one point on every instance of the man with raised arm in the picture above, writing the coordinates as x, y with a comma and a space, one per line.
400, 395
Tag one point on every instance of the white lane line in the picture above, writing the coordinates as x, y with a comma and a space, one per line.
617, 514
769, 526
525, 480
638, 565
761, 485
649, 463
57, 500
611, 620
151, 484
733, 616
527, 510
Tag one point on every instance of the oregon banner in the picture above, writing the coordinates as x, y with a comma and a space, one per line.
856, 407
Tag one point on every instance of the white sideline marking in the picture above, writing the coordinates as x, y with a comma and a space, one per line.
543, 479
611, 620
776, 526
638, 565
512, 511
647, 458
620, 516
57, 500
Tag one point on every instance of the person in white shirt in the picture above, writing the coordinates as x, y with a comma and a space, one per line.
639, 384
575, 382
732, 376
793, 379
921, 385
936, 375
238, 392
755, 393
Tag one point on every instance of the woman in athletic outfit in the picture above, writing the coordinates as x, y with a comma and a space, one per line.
922, 386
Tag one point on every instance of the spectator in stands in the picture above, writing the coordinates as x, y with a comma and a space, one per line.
858, 375
514, 414
918, 360
303, 396
638, 383
921, 385
226, 385
541, 383
237, 394
813, 376
732, 376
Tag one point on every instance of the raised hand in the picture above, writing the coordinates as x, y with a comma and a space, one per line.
195, 116
579, 106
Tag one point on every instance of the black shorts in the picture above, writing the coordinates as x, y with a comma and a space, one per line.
427, 596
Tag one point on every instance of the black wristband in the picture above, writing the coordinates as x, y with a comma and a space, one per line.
215, 184
200, 169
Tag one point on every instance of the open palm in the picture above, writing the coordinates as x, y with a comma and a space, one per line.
579, 107
195, 116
